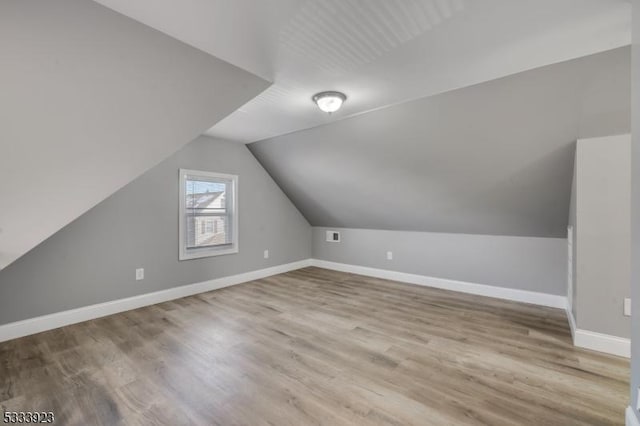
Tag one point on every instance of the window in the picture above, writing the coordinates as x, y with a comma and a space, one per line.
208, 214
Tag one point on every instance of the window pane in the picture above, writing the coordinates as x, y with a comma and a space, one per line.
206, 196
206, 210
216, 231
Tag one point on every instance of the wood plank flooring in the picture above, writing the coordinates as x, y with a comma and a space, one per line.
317, 347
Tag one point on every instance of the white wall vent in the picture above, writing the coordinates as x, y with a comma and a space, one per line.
333, 236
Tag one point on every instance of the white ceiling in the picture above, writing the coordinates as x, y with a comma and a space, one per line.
379, 52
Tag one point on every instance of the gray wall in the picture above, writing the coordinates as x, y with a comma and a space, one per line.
525, 263
93, 259
603, 177
635, 211
572, 223
494, 158
89, 100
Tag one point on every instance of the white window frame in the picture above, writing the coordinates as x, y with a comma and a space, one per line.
196, 253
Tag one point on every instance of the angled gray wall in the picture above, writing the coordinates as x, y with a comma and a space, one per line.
93, 259
635, 214
495, 158
89, 100
523, 263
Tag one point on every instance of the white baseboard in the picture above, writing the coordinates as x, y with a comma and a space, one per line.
572, 324
59, 319
525, 296
600, 342
632, 418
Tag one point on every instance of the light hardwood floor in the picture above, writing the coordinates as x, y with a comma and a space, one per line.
317, 347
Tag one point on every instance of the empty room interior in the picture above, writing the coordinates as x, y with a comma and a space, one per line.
320, 212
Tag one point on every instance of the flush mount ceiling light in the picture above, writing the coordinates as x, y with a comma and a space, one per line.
329, 101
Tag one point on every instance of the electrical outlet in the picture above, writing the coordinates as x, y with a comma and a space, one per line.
139, 274
389, 255
266, 254
627, 307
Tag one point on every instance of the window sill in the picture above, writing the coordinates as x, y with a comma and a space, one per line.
208, 253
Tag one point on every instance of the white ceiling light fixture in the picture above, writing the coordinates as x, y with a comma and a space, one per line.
329, 101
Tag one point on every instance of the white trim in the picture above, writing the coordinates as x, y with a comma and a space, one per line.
632, 418
570, 268
48, 322
600, 342
572, 323
543, 299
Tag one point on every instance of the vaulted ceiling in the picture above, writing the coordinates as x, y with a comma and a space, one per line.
89, 100
379, 52
494, 158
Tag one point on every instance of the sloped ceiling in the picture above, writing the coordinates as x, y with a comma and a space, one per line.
90, 99
379, 52
495, 158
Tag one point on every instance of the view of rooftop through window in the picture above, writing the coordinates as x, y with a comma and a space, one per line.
207, 211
